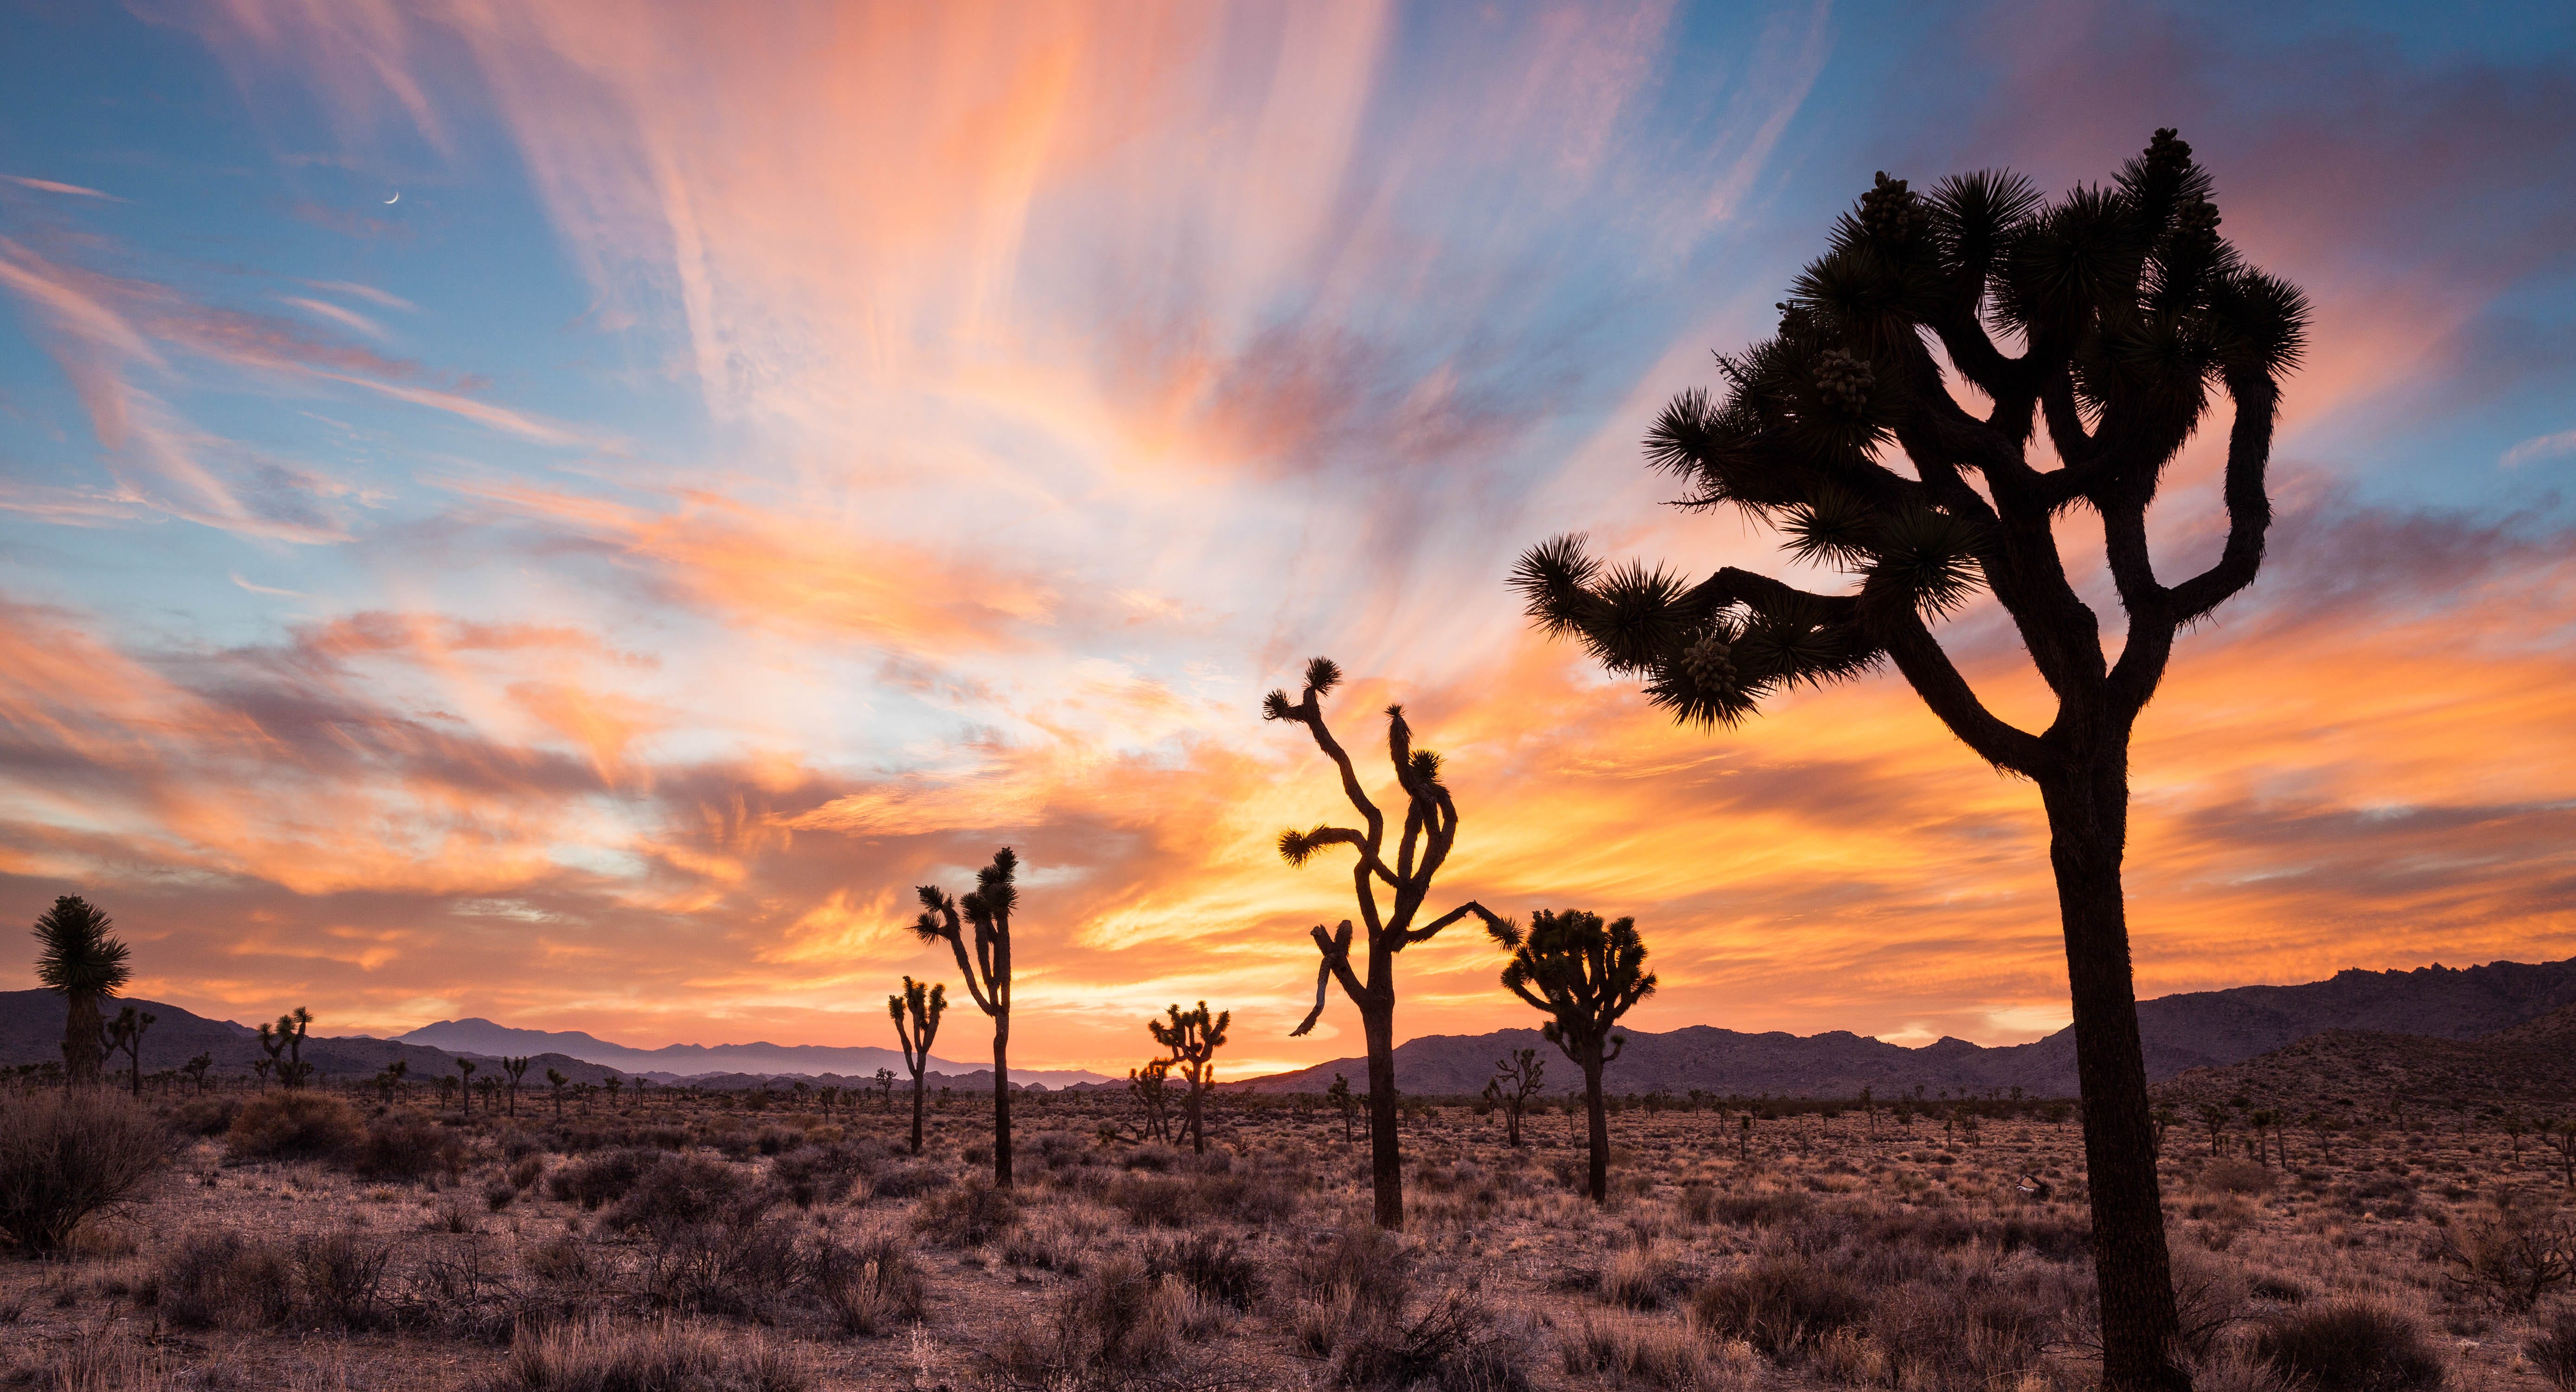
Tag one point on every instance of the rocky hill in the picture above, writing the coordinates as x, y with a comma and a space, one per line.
2530, 1067
2195, 1030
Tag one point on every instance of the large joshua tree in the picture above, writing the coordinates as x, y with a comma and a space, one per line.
1583, 975
1430, 828
987, 971
2131, 314
1193, 1037
78, 959
922, 1004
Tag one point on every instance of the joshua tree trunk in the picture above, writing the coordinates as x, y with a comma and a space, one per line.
1386, 1162
1002, 1082
920, 1096
1597, 1173
81, 1049
2088, 829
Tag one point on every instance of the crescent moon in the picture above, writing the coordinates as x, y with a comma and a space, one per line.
397, 198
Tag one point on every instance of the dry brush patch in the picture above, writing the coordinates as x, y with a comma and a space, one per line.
1830, 1249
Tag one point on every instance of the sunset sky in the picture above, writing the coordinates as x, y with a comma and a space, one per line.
565, 513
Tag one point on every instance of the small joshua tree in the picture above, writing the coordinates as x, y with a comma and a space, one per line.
2213, 1118
78, 959
197, 1068
284, 1042
125, 1033
2133, 313
465, 1074
885, 1087
1583, 974
987, 972
916, 1011
517, 1068
1149, 1084
555, 1081
1430, 829
1193, 1039
1517, 1078
615, 1085
1339, 1094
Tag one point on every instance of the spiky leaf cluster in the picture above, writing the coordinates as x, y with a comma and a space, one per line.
2130, 306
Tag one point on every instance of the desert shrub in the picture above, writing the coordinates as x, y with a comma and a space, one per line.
777, 1140
2058, 1239
293, 1124
67, 1154
2551, 1350
2512, 1256
688, 1191
969, 1215
205, 1116
1654, 1356
732, 1263
2233, 1174
1115, 1327
1760, 1208
873, 1287
2351, 1347
339, 1278
1369, 1265
1216, 1267
601, 1178
1453, 1346
1058, 1150
406, 1145
667, 1357
819, 1174
1254, 1199
1153, 1156
1047, 1244
1967, 1329
1779, 1303
1643, 1277
223, 1280
906, 1181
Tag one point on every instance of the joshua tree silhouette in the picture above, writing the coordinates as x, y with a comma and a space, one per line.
517, 1068
1583, 974
125, 1032
78, 959
555, 1081
2130, 309
465, 1076
923, 1004
1193, 1039
987, 972
1517, 1078
286, 1038
1150, 1086
1430, 827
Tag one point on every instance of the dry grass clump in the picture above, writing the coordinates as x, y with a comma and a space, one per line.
665, 1357
2551, 1350
969, 1215
1780, 1303
873, 1287
293, 1124
1657, 1355
1455, 1344
2351, 1346
67, 1155
1118, 1326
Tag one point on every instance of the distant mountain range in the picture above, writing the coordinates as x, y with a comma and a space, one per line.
675, 1061
2199, 1029
31, 1031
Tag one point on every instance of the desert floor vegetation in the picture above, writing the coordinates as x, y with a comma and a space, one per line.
700, 1243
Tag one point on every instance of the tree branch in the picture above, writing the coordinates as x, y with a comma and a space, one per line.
2249, 507
1928, 669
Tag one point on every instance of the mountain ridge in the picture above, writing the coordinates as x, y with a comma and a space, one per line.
2180, 1033
761, 1058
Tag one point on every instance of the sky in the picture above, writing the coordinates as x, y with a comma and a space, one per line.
565, 513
